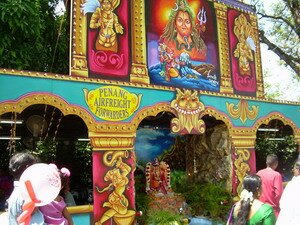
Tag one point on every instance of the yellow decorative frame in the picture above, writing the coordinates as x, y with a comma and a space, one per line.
78, 62
223, 39
139, 70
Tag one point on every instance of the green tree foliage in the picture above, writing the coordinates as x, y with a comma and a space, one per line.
208, 199
33, 37
285, 149
279, 27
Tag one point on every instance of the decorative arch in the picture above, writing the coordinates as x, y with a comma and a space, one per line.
211, 111
277, 116
50, 99
151, 111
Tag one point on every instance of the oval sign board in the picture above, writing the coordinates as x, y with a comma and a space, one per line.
112, 103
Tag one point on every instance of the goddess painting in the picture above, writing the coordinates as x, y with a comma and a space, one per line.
181, 34
182, 48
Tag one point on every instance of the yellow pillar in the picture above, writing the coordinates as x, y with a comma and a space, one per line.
243, 156
139, 71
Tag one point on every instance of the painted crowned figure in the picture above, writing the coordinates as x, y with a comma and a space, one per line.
158, 177
108, 24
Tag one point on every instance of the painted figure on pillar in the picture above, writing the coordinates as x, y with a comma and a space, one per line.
243, 48
108, 24
157, 177
107, 38
117, 203
184, 57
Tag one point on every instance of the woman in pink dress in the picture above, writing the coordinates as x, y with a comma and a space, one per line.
56, 212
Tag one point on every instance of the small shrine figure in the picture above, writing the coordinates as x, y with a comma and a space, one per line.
158, 177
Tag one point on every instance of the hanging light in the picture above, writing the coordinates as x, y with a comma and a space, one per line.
83, 139
276, 139
268, 129
5, 121
9, 138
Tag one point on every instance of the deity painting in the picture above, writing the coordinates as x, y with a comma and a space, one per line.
114, 188
182, 46
158, 178
108, 24
242, 51
107, 41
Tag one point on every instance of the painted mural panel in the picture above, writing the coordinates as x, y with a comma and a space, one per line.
182, 44
242, 53
113, 187
107, 38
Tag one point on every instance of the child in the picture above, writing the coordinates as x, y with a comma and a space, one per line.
66, 194
56, 212
17, 164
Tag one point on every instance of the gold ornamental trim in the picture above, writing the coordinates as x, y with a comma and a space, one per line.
279, 116
244, 142
113, 142
219, 115
257, 53
151, 111
241, 111
64, 77
276, 116
80, 209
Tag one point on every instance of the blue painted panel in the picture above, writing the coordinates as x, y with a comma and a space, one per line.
14, 87
81, 219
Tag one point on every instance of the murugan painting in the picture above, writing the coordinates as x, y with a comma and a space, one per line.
107, 38
242, 53
182, 44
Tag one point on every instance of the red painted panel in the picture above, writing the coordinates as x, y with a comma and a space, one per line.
242, 83
109, 62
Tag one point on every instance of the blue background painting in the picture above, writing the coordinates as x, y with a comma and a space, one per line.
151, 143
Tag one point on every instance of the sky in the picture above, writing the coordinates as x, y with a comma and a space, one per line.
280, 77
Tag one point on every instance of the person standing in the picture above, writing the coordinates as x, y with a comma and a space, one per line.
289, 202
56, 212
272, 185
17, 165
249, 210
